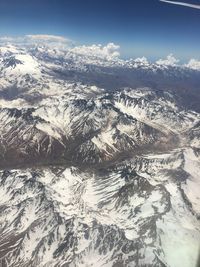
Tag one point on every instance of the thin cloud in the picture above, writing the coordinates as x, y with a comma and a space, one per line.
48, 38
181, 4
36, 39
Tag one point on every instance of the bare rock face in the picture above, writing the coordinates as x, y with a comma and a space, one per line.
93, 175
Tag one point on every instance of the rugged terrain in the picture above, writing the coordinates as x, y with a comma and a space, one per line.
100, 160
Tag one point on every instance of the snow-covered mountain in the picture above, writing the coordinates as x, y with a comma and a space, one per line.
99, 161
34, 70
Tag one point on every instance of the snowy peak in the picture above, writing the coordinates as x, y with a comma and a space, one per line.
20, 64
11, 62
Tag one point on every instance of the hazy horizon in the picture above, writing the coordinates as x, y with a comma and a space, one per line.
149, 28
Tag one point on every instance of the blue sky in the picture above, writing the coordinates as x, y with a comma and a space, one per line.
141, 27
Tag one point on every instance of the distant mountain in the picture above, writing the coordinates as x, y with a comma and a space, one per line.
100, 160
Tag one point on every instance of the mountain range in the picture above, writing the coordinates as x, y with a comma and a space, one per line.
100, 159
